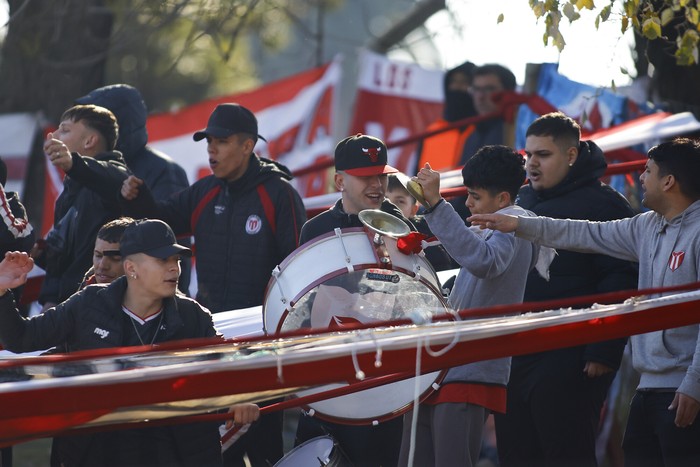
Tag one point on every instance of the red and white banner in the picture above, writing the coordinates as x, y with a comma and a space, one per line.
396, 100
294, 115
48, 395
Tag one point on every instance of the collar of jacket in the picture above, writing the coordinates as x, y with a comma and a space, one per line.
114, 293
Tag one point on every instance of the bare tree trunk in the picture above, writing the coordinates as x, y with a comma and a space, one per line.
53, 53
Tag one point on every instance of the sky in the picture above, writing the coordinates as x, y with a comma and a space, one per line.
591, 56
472, 33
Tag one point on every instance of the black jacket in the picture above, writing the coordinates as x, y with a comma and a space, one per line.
93, 319
89, 200
242, 230
335, 217
581, 195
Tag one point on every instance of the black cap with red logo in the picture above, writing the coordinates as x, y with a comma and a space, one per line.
361, 155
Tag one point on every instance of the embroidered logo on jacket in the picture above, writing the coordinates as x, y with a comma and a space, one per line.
219, 209
101, 332
676, 259
253, 224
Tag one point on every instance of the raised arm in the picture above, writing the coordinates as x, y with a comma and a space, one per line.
14, 269
502, 222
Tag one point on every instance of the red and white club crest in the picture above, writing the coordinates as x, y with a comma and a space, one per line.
373, 153
253, 224
676, 259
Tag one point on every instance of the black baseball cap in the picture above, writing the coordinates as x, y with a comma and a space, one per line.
361, 155
152, 237
227, 120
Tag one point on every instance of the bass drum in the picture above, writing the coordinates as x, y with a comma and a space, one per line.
344, 278
316, 452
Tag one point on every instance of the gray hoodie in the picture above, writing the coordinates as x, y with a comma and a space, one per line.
668, 254
494, 269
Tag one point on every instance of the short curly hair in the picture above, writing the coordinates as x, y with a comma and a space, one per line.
495, 169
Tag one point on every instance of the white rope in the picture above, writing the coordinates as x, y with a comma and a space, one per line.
453, 342
278, 355
359, 374
378, 353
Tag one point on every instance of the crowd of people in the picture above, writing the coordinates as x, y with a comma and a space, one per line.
115, 256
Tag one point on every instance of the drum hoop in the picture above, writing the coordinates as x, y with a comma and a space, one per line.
339, 272
306, 443
364, 266
381, 418
291, 257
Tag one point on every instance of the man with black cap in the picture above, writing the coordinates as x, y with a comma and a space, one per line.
361, 177
245, 219
140, 308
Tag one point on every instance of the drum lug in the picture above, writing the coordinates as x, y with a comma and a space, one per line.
276, 273
416, 269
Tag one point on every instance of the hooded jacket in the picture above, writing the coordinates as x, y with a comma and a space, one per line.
89, 199
93, 319
163, 175
581, 195
668, 253
242, 230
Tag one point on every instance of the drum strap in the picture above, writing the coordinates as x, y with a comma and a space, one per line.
348, 259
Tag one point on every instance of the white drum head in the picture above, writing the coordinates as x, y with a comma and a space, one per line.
314, 452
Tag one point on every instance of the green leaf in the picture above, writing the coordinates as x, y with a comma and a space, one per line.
538, 9
666, 16
569, 11
651, 28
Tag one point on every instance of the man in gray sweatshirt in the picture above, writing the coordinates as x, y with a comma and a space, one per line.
493, 271
665, 241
